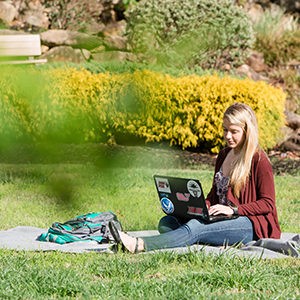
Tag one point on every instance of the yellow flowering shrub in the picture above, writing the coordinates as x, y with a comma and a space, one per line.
185, 111
188, 111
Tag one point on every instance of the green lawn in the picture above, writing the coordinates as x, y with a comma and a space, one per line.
39, 194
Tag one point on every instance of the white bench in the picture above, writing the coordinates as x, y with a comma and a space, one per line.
20, 49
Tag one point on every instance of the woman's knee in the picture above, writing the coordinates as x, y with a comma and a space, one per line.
195, 226
168, 223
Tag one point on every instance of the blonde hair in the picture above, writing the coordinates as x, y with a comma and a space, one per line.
242, 115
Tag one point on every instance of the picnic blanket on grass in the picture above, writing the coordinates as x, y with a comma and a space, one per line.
25, 238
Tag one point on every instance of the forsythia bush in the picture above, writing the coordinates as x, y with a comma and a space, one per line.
68, 105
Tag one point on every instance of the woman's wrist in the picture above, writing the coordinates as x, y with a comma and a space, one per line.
235, 210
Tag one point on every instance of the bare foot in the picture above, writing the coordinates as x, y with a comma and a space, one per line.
132, 244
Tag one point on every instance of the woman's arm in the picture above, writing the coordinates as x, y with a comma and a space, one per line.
261, 193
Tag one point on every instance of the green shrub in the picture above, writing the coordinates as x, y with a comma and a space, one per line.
195, 32
76, 105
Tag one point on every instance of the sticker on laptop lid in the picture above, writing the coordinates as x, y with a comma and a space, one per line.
196, 211
194, 188
183, 197
163, 185
167, 205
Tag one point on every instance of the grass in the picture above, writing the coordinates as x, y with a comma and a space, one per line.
160, 276
39, 194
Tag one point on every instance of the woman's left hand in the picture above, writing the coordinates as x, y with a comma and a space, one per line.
220, 209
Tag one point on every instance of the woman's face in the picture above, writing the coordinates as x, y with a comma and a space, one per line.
234, 135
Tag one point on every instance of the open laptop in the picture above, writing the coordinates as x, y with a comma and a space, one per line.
183, 197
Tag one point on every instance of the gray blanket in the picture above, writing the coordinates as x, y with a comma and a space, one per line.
25, 238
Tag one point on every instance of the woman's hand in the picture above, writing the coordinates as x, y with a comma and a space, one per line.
220, 209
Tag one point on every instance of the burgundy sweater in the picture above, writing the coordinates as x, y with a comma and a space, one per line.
257, 198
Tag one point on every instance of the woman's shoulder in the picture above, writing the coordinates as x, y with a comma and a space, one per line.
261, 157
260, 154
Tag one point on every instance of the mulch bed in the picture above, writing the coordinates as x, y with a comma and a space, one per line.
285, 162
282, 162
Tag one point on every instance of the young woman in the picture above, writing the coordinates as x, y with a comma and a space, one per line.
243, 185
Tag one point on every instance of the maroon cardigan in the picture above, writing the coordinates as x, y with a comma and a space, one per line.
257, 198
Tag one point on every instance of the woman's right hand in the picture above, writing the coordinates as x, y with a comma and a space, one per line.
220, 209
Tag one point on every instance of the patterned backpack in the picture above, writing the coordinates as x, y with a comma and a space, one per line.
87, 227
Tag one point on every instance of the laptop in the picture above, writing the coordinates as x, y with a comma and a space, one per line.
184, 198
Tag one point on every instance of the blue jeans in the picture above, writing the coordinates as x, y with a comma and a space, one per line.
180, 233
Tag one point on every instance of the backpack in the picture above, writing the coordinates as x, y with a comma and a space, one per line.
87, 227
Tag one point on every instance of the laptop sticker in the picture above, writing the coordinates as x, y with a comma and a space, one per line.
197, 211
194, 188
167, 205
163, 185
183, 197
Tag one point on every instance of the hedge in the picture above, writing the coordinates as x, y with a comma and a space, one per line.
75, 105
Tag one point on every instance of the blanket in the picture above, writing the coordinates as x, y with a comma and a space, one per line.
25, 238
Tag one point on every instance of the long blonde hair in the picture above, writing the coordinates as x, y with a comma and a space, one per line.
242, 115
